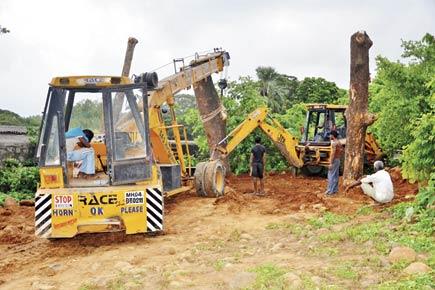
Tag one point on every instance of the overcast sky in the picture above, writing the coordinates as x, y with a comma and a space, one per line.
300, 38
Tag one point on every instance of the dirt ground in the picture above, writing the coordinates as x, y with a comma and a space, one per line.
207, 243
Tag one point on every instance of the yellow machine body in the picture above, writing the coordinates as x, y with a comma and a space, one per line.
296, 153
62, 212
66, 206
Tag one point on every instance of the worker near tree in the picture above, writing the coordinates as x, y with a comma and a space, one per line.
79, 149
257, 165
381, 188
334, 166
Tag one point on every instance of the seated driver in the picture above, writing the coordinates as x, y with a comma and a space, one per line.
79, 149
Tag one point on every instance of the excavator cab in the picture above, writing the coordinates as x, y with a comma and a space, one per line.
121, 190
320, 121
315, 146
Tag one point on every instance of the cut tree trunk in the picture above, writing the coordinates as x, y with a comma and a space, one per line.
119, 98
358, 118
210, 108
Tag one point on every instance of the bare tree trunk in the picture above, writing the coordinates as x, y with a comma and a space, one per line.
119, 98
358, 118
209, 106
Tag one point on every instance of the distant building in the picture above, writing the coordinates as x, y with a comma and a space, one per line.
14, 143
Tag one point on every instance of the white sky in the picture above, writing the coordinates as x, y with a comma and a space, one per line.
300, 38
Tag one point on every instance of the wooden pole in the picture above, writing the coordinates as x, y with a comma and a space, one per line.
210, 110
358, 118
119, 98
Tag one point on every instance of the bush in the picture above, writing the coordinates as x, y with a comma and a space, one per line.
17, 181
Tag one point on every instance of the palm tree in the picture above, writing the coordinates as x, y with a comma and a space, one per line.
267, 75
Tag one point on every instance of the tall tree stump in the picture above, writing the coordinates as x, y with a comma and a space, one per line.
119, 98
358, 118
210, 110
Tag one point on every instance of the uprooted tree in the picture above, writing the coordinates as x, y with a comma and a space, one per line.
211, 113
358, 118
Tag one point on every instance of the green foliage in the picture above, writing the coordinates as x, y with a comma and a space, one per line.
88, 114
17, 181
318, 90
345, 271
293, 119
426, 195
269, 276
274, 90
422, 281
419, 155
400, 94
10, 118
327, 220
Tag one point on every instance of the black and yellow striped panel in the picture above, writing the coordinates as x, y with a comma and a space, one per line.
154, 210
43, 215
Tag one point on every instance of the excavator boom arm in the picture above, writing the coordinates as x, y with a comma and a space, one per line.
282, 139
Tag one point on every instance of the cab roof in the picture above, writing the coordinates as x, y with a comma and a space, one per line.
326, 106
89, 81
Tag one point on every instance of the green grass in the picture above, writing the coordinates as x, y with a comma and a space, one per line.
364, 210
295, 229
269, 276
327, 220
333, 237
219, 265
324, 251
345, 271
424, 281
88, 287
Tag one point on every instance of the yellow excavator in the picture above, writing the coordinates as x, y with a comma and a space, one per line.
311, 153
135, 166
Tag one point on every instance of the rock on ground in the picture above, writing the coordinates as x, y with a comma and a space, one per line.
402, 254
417, 268
242, 280
10, 202
293, 281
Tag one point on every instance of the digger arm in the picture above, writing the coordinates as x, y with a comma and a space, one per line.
282, 139
241, 131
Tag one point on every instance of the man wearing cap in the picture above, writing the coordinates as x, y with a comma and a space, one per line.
378, 185
79, 149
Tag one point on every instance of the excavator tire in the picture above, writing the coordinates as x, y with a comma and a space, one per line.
199, 179
210, 178
312, 170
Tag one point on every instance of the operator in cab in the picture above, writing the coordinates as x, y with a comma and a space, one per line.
257, 165
378, 185
79, 150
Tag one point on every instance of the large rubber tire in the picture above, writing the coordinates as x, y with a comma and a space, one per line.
199, 178
310, 170
210, 179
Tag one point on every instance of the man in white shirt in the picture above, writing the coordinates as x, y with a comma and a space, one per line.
79, 149
378, 185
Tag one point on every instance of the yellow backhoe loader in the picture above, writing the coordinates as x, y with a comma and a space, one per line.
312, 153
135, 167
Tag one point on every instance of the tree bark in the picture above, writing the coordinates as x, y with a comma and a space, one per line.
358, 118
119, 98
209, 106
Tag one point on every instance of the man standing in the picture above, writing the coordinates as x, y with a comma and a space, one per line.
334, 166
381, 189
257, 164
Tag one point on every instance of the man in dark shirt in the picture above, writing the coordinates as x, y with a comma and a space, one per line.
258, 162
